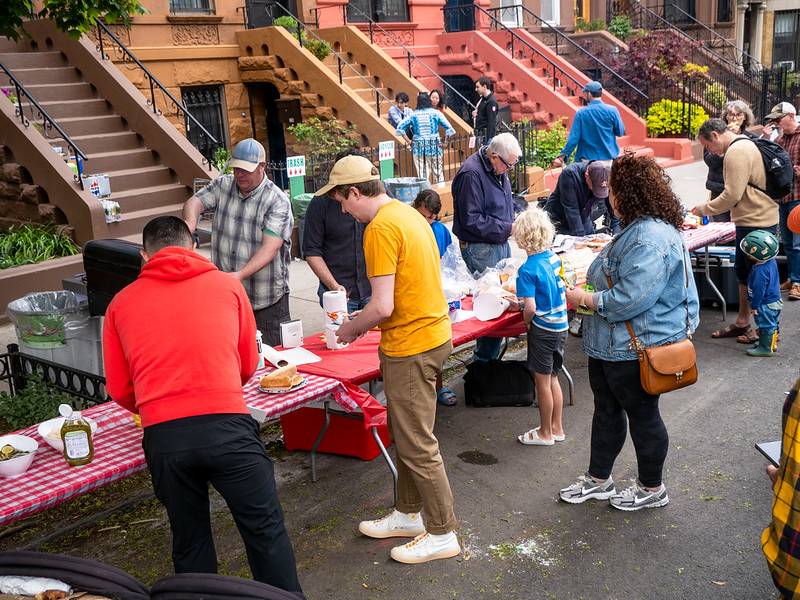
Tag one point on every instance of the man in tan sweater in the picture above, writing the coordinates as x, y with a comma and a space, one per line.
751, 209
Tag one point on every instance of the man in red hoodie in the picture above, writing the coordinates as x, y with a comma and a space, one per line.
178, 344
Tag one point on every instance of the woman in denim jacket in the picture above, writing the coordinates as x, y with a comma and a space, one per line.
647, 264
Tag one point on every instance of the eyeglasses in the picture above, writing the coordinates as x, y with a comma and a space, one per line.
503, 160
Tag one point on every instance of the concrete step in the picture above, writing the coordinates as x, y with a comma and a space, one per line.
109, 162
92, 125
58, 109
133, 223
108, 142
145, 198
66, 91
141, 178
28, 60
47, 75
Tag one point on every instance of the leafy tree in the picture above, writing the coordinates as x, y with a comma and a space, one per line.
75, 17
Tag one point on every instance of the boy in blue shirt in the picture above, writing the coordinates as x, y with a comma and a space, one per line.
763, 289
541, 292
429, 205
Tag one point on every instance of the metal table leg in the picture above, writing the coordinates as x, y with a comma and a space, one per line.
717, 293
570, 385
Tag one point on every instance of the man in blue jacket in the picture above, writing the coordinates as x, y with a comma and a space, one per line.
581, 192
483, 214
594, 131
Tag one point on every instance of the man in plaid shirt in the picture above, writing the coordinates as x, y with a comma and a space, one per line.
784, 117
250, 234
780, 540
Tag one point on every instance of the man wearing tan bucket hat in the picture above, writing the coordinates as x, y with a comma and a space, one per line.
408, 306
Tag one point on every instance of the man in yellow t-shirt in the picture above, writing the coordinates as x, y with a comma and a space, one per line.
408, 306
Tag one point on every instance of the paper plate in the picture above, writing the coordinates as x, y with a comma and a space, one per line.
489, 306
302, 384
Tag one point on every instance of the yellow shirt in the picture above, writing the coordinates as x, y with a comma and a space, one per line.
399, 242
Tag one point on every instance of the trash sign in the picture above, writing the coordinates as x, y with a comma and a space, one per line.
386, 150
296, 166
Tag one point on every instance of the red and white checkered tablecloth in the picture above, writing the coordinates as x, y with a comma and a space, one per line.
118, 449
709, 234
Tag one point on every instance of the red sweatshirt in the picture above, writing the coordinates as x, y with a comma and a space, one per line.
180, 341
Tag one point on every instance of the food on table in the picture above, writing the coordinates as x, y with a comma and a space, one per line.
284, 378
8, 452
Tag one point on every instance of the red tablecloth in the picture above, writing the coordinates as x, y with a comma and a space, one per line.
709, 234
118, 447
357, 363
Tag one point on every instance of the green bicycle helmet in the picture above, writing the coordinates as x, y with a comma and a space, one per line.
760, 244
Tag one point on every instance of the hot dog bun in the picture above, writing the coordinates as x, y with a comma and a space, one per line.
280, 379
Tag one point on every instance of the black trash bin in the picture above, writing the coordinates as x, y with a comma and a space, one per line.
110, 265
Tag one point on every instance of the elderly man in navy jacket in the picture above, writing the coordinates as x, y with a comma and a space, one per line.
483, 213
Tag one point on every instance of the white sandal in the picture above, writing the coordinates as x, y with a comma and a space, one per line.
531, 438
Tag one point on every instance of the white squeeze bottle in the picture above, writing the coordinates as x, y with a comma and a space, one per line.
260, 350
76, 433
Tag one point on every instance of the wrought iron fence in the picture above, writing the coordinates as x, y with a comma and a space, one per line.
16, 366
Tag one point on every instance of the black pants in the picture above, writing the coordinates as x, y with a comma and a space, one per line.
184, 456
269, 319
618, 400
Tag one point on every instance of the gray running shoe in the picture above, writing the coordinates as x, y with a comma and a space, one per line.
587, 488
637, 497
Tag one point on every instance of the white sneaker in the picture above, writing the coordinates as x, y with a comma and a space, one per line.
395, 524
575, 326
427, 547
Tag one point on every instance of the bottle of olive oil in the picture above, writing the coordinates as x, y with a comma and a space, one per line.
76, 433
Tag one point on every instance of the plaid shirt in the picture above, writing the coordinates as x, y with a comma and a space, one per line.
792, 145
237, 234
781, 540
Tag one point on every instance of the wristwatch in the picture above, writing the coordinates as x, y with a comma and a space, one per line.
582, 303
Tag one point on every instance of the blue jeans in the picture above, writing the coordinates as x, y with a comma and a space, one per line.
353, 304
767, 318
791, 241
479, 257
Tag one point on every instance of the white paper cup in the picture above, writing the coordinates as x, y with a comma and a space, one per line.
489, 306
330, 337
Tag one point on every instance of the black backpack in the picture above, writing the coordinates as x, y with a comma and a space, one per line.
778, 166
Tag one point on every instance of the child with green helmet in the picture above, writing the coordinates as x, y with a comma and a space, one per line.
763, 289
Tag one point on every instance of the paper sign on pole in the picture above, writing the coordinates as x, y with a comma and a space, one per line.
296, 166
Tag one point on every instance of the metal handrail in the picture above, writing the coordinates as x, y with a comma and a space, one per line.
340, 59
126, 55
409, 54
516, 36
559, 35
44, 120
724, 43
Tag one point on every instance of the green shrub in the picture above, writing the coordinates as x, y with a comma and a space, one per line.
544, 145
312, 44
620, 27
714, 94
30, 244
38, 401
668, 117
593, 25
220, 160
323, 138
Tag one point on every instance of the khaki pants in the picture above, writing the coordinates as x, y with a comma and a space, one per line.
427, 165
410, 386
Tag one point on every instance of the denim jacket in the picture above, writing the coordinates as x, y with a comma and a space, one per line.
647, 265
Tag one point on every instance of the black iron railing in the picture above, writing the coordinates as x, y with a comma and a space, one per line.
518, 47
159, 95
410, 57
302, 29
29, 110
712, 40
595, 68
16, 366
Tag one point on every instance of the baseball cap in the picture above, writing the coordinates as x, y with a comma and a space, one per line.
592, 86
793, 221
247, 155
350, 169
598, 173
781, 109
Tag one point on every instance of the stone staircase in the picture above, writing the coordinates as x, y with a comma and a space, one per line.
82, 99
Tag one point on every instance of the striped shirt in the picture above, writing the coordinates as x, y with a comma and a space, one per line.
538, 279
237, 234
781, 539
426, 122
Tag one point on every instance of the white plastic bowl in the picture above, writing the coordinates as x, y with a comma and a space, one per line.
53, 427
14, 467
